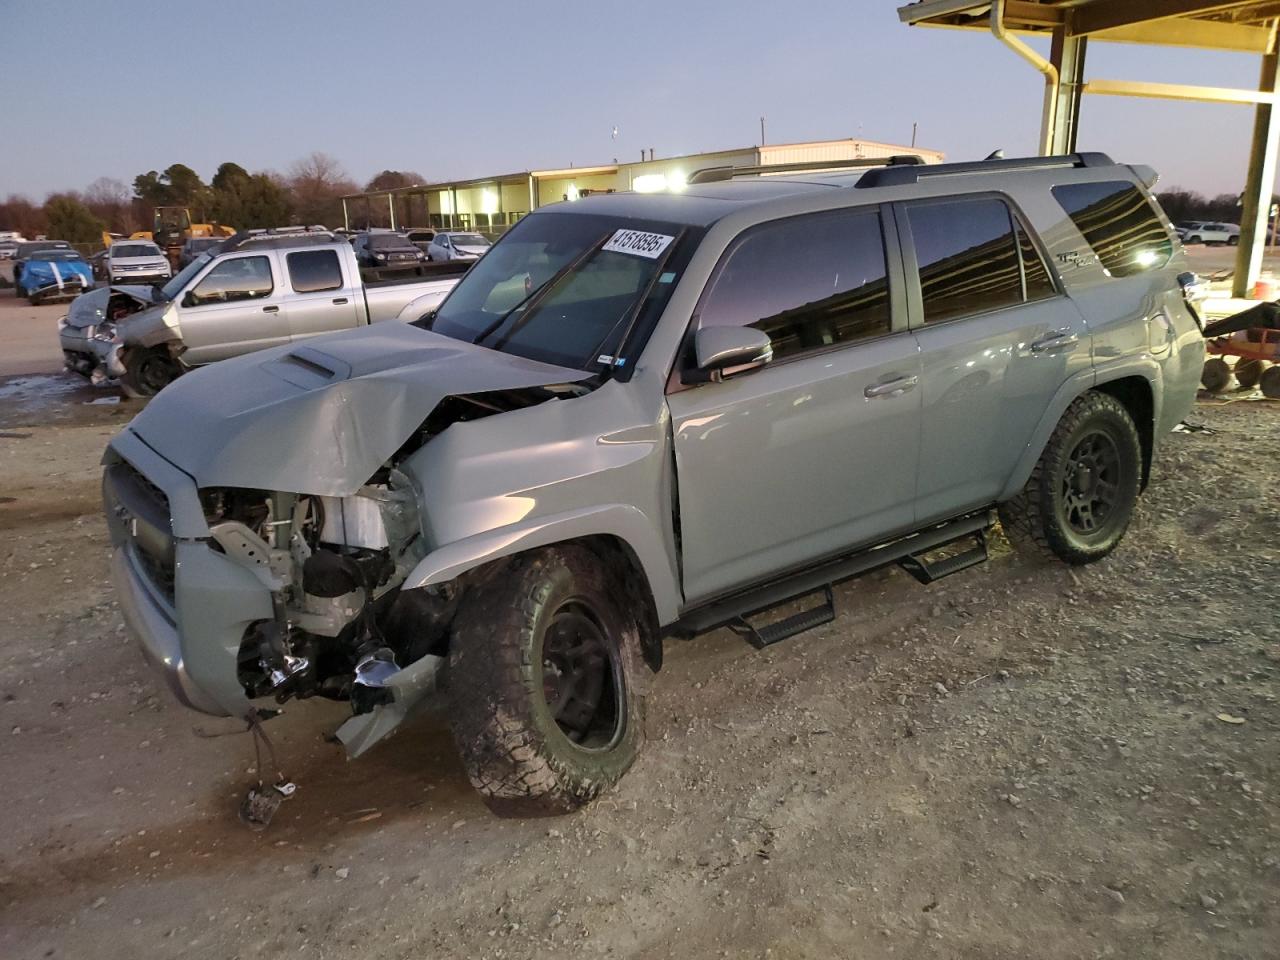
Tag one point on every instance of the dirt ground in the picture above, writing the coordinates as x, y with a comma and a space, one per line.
1019, 761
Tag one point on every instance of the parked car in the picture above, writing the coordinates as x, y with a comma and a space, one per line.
8, 248
385, 251
194, 246
420, 238
49, 275
136, 261
275, 290
26, 251
1209, 232
451, 245
641, 416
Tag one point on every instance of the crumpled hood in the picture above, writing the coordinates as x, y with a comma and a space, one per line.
90, 309
322, 416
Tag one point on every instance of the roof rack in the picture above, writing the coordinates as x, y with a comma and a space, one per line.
897, 176
719, 174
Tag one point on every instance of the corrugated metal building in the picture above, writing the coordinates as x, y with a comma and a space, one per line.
492, 204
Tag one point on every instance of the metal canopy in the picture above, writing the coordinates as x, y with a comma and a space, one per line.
1240, 27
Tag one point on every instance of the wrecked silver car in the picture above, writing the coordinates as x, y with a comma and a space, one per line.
88, 334
647, 415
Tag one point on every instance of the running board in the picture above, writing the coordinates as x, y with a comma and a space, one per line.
733, 609
927, 572
771, 633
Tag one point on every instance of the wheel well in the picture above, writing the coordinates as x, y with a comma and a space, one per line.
1135, 394
618, 553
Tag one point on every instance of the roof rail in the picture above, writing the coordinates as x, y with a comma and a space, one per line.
718, 174
897, 176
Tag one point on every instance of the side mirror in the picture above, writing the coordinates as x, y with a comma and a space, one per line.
722, 352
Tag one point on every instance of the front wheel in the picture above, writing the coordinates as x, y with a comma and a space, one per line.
1080, 497
546, 682
147, 371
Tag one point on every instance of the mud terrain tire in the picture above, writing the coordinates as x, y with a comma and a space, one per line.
546, 682
1080, 497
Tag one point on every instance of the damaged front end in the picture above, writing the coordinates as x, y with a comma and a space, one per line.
90, 333
333, 567
263, 529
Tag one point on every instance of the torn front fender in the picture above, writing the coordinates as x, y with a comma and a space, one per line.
151, 327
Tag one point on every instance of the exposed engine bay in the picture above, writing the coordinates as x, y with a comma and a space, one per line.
341, 626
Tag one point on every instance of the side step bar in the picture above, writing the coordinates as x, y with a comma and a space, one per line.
771, 633
734, 609
928, 571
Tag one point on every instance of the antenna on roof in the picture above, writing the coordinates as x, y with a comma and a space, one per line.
994, 155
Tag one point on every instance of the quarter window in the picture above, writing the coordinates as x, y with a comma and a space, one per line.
315, 270
1120, 225
970, 256
241, 278
808, 282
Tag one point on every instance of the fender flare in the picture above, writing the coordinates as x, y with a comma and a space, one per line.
1144, 366
627, 523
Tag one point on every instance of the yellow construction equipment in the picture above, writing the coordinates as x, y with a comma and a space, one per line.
171, 227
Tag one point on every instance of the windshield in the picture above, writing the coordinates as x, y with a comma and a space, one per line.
469, 240
56, 255
562, 288
388, 241
26, 249
119, 250
179, 280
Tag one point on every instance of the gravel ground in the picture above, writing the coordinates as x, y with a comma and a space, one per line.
1022, 760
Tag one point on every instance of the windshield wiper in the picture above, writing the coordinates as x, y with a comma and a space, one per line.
533, 296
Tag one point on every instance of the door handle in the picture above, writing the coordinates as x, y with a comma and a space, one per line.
892, 388
1054, 340
270, 309
340, 300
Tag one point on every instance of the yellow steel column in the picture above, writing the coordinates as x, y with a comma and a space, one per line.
1260, 180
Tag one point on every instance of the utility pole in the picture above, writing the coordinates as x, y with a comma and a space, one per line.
913, 133
762, 131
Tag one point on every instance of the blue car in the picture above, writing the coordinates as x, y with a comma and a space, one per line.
53, 275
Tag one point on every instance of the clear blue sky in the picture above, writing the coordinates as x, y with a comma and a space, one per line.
474, 88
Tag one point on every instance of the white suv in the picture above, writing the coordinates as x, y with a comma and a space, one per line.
1209, 232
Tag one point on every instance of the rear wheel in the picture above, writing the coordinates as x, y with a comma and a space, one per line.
1233, 241
1080, 497
545, 679
1216, 375
147, 371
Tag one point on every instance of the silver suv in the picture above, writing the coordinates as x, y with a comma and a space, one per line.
642, 416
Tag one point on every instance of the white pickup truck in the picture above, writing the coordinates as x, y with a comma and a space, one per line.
276, 291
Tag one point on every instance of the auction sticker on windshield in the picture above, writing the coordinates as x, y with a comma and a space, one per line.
638, 243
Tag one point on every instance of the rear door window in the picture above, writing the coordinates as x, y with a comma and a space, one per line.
809, 282
313, 271
1119, 224
973, 256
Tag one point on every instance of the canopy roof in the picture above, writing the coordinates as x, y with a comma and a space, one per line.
1210, 24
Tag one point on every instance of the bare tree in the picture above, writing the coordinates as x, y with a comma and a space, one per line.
317, 182
111, 201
